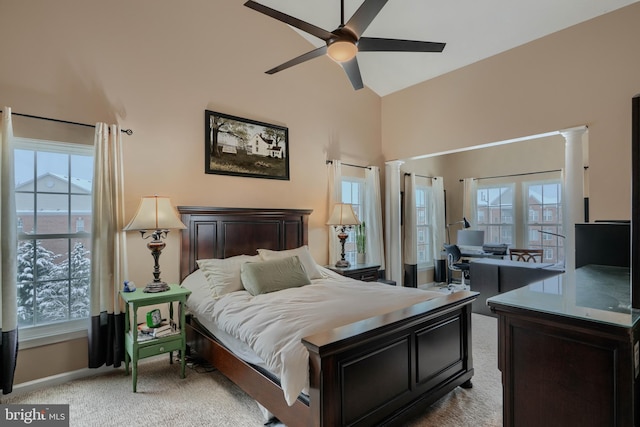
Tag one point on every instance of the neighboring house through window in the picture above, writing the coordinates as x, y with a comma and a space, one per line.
495, 213
53, 203
539, 228
545, 200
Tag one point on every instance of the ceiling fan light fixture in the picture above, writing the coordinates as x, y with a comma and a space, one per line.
342, 50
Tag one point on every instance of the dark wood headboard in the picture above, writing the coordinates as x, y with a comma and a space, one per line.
226, 232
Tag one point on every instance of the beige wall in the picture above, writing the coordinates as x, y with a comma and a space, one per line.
534, 155
154, 66
584, 75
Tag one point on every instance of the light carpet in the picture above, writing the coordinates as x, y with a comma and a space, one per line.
207, 398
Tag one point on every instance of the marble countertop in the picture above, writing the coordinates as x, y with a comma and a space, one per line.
594, 292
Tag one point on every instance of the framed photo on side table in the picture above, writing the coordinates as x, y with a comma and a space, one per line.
242, 147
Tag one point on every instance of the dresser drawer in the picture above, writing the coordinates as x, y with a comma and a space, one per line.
363, 272
159, 348
365, 276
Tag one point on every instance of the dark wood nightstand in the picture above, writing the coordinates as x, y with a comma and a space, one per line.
364, 272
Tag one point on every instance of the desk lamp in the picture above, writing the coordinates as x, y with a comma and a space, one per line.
465, 224
156, 215
343, 218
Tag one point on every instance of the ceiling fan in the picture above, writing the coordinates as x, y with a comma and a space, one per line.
343, 43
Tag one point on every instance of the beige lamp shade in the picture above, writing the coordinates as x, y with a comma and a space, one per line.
343, 215
155, 213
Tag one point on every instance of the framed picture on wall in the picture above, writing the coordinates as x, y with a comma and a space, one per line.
242, 147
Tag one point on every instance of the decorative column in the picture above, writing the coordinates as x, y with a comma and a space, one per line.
392, 229
573, 193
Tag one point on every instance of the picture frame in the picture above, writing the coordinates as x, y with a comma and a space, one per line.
248, 148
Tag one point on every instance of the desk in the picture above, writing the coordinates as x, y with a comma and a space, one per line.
567, 353
494, 276
481, 255
465, 256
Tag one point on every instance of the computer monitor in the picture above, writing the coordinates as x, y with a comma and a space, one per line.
470, 240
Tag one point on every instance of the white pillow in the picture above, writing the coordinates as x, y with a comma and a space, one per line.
302, 253
223, 275
195, 281
199, 287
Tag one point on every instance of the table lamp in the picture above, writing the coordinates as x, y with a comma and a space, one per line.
342, 218
155, 215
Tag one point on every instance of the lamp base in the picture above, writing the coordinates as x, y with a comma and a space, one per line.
153, 287
343, 263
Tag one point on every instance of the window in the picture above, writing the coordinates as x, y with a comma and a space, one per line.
423, 227
495, 213
545, 199
53, 204
353, 193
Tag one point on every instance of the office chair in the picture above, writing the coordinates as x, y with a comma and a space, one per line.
526, 255
453, 261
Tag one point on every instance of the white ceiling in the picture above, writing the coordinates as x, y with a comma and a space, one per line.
472, 29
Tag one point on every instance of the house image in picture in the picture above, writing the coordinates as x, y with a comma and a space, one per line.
259, 145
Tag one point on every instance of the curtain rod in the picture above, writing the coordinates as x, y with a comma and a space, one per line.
518, 174
348, 164
421, 176
127, 131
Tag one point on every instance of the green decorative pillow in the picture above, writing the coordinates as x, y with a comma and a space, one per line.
302, 252
273, 275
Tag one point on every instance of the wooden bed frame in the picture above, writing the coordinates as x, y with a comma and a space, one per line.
378, 371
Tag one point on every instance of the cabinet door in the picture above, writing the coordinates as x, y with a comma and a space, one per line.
557, 376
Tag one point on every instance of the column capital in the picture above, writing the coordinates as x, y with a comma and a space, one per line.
575, 132
395, 164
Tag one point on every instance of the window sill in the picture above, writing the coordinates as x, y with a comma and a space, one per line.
52, 334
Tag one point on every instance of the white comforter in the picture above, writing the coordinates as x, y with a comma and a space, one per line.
273, 324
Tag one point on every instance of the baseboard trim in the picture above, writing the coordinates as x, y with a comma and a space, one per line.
53, 380
65, 377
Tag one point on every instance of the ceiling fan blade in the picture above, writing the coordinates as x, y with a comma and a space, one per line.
368, 44
287, 19
364, 15
300, 59
353, 72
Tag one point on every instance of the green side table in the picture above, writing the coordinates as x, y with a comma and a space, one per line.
134, 349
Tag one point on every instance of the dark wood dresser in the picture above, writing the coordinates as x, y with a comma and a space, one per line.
493, 276
568, 350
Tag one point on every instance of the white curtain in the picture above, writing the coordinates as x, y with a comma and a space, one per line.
373, 217
108, 250
8, 258
470, 201
437, 220
334, 169
410, 247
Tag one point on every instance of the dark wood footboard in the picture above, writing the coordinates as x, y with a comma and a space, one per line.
379, 371
384, 369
